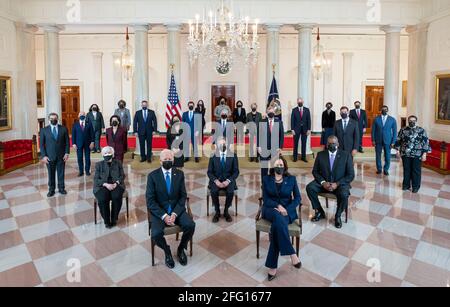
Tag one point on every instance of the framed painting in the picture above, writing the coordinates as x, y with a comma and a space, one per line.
404, 94
443, 99
40, 93
5, 103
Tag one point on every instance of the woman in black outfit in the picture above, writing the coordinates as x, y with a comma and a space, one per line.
174, 132
328, 120
200, 109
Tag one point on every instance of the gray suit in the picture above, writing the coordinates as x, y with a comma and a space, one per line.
125, 117
102, 170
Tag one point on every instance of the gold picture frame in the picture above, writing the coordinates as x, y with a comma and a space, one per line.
404, 94
40, 93
5, 103
442, 108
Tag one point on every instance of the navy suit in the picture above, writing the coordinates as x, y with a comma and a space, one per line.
264, 141
194, 122
362, 123
384, 136
288, 196
301, 124
83, 138
348, 138
145, 127
222, 172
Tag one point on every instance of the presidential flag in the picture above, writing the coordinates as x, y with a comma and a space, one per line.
173, 106
273, 94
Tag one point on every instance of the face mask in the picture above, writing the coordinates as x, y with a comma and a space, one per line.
253, 109
95, 109
54, 122
328, 107
271, 115
300, 104
82, 117
239, 106
279, 170
121, 106
191, 108
412, 124
224, 116
223, 148
332, 147
107, 158
167, 165
344, 115
176, 121
115, 123
222, 102
144, 108
357, 106
384, 112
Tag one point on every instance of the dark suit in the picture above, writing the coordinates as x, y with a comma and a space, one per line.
83, 139
301, 124
342, 173
171, 136
109, 173
222, 172
194, 123
145, 128
98, 124
348, 138
55, 150
202, 114
253, 131
269, 150
384, 136
239, 117
362, 123
287, 195
328, 121
161, 202
226, 131
239, 120
118, 141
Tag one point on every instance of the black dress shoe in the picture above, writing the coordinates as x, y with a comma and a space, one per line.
338, 222
51, 194
257, 160
88, 173
361, 151
405, 189
378, 172
386, 173
304, 160
108, 226
294, 160
318, 216
63, 192
252, 159
182, 257
80, 175
149, 160
169, 260
197, 160
143, 160
271, 277
216, 218
415, 191
228, 217
298, 265
186, 160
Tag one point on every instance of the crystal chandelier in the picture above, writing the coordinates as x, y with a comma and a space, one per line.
221, 37
320, 63
127, 59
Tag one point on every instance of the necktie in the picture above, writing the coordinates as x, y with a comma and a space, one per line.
82, 126
301, 113
332, 161
359, 114
345, 125
270, 126
168, 183
145, 116
55, 133
190, 116
224, 125
223, 161
384, 120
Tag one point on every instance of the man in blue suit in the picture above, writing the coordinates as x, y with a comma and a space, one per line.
384, 136
144, 125
301, 128
83, 138
189, 118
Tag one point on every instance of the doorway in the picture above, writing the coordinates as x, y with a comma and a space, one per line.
219, 91
70, 105
374, 103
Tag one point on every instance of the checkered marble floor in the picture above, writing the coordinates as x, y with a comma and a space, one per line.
405, 236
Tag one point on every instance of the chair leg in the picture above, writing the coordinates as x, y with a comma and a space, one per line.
257, 243
292, 240
153, 252
207, 205
178, 236
346, 215
297, 245
191, 247
95, 212
326, 201
128, 211
235, 204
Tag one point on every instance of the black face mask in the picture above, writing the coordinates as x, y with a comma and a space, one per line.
384, 112
253, 109
224, 116
223, 148
222, 102
191, 108
144, 108
329, 107
357, 106
332, 147
239, 106
271, 115
115, 123
344, 115
95, 109
121, 106
108, 158
167, 165
300, 105
412, 124
279, 170
54, 122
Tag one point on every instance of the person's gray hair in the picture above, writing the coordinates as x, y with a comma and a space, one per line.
166, 152
108, 150
333, 137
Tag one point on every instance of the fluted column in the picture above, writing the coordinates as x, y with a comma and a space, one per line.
52, 69
97, 60
117, 76
392, 68
173, 53
141, 73
347, 79
273, 53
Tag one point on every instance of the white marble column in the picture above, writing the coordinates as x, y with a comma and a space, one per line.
304, 69
392, 68
347, 79
141, 70
97, 60
25, 107
117, 76
52, 69
417, 52
173, 54
328, 81
272, 54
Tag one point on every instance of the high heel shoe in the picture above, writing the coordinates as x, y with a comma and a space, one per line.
271, 277
298, 265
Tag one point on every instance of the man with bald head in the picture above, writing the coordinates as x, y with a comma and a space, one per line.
83, 138
166, 200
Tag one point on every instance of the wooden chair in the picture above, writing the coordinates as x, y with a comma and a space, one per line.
173, 230
222, 193
262, 225
332, 196
125, 195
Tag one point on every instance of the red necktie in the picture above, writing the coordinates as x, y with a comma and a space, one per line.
82, 126
301, 113
359, 114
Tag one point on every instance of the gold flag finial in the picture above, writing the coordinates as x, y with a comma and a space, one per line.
273, 68
172, 67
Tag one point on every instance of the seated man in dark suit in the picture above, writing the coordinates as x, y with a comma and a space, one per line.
223, 170
333, 173
166, 200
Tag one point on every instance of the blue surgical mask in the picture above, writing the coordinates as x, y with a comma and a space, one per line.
82, 117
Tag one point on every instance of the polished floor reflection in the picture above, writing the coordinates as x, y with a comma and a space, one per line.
393, 238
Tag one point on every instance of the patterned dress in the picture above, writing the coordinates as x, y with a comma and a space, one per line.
413, 142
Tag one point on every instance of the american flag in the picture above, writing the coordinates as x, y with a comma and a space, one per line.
173, 104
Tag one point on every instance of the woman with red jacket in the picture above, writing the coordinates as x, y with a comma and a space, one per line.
116, 137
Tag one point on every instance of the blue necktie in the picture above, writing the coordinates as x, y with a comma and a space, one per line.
223, 161
169, 210
190, 116
332, 157
55, 133
145, 116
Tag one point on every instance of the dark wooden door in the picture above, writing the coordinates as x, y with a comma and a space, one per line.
219, 91
70, 105
374, 103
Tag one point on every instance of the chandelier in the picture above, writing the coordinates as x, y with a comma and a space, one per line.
127, 58
221, 37
320, 63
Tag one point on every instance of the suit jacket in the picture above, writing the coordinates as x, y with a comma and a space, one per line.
125, 119
218, 127
386, 134
361, 120
239, 118
158, 199
258, 118
342, 173
230, 172
119, 141
348, 139
328, 120
54, 150
80, 137
190, 122
97, 124
102, 172
145, 127
265, 133
300, 124
289, 195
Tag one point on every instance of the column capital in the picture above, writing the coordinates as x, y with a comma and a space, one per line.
273, 27
143, 27
392, 28
26, 27
347, 54
305, 26
97, 54
418, 27
51, 28
173, 27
